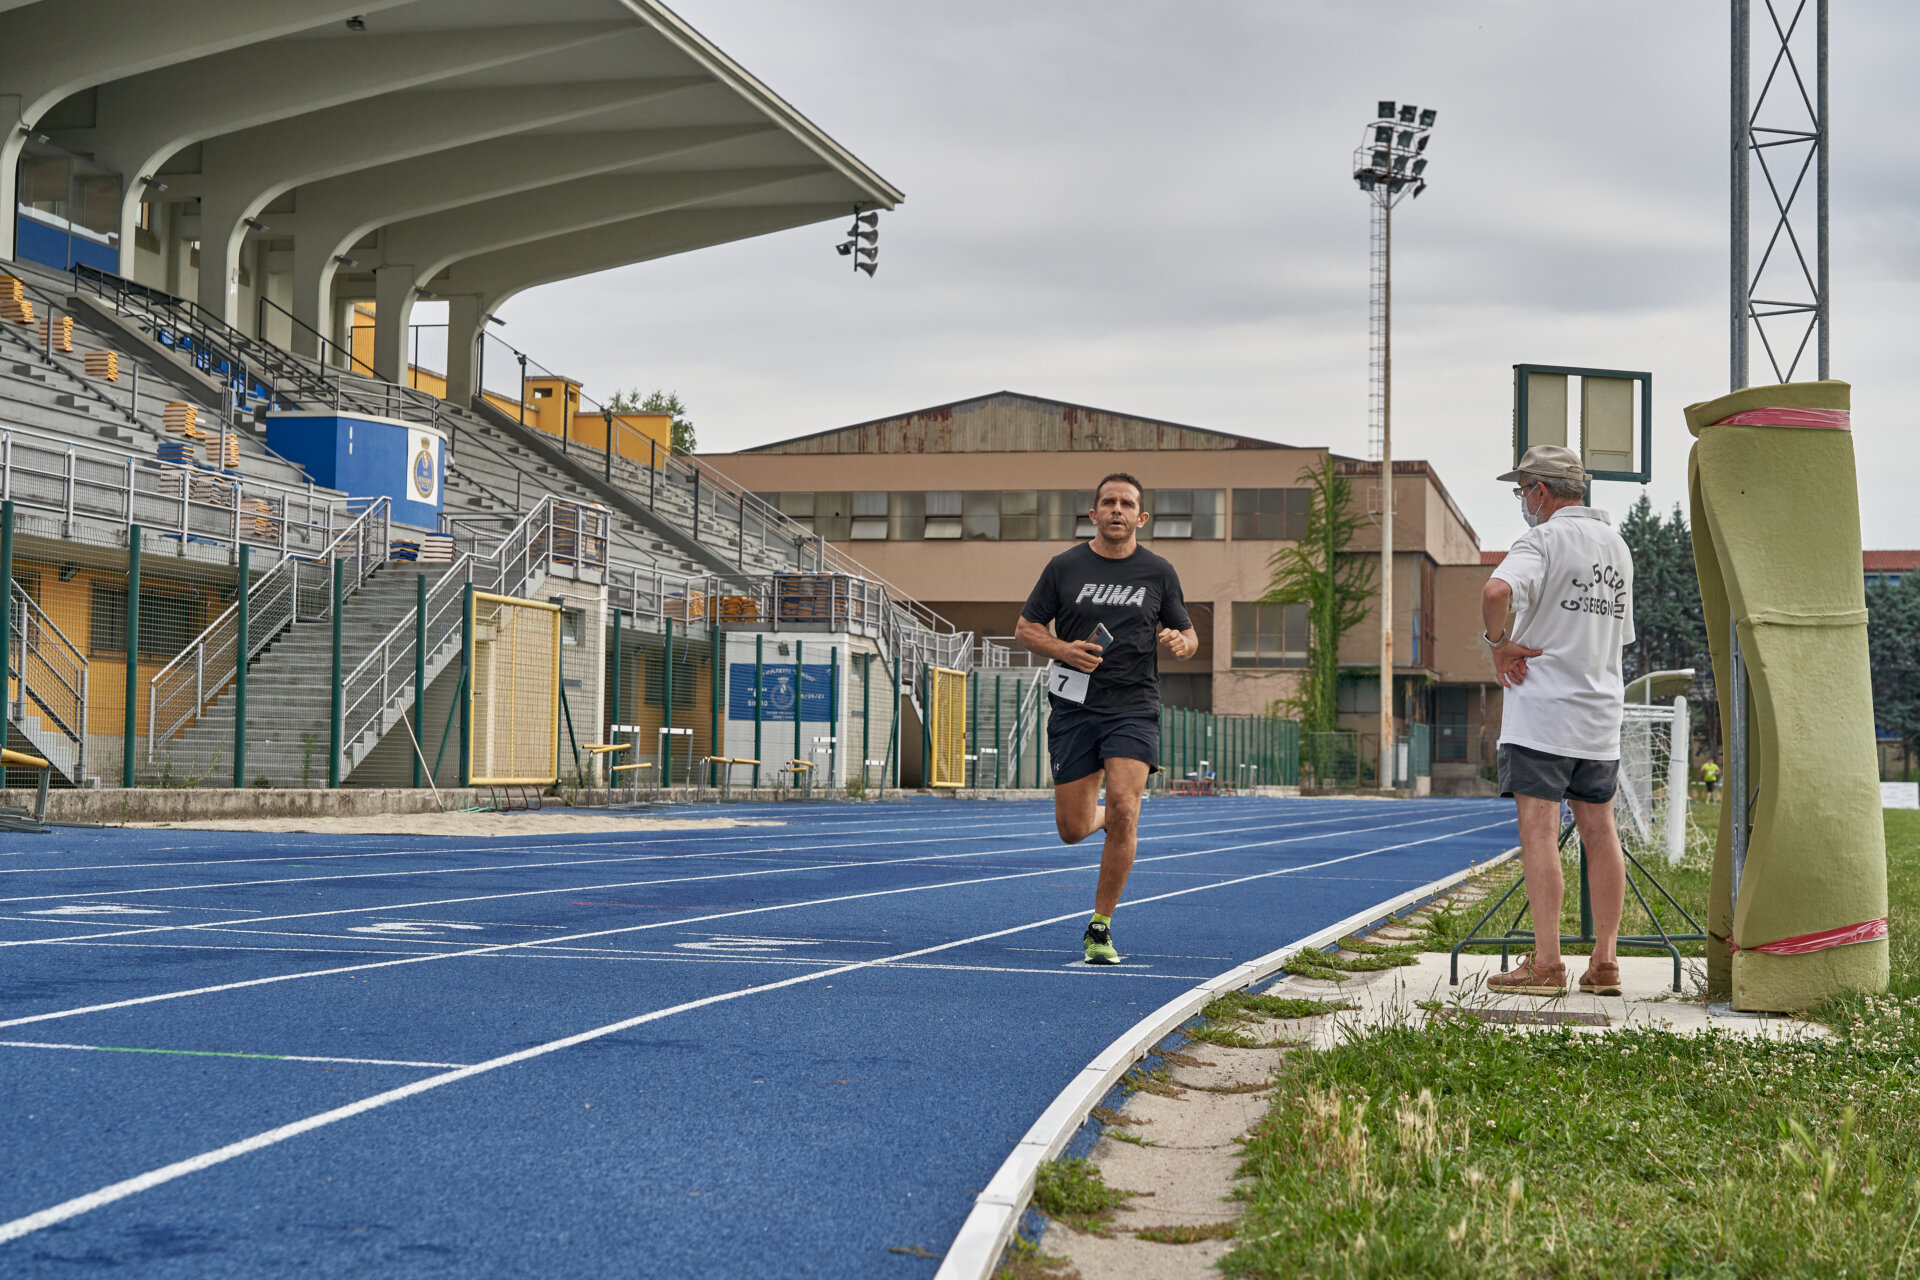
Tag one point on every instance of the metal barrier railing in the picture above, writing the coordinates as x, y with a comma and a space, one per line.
370, 689
51, 673
253, 369
71, 481
295, 589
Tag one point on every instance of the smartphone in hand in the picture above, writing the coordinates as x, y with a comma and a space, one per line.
1101, 636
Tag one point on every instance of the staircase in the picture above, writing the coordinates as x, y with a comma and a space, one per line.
289, 695
47, 691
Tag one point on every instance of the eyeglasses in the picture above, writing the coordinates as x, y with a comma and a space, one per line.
1520, 490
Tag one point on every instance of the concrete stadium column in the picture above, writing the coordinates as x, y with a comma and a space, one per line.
223, 229
393, 295
466, 321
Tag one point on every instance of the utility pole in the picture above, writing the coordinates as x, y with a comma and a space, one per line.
1388, 166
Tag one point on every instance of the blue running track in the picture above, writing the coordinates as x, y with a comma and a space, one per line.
769, 1051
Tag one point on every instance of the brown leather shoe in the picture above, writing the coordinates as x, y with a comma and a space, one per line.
1527, 979
1602, 978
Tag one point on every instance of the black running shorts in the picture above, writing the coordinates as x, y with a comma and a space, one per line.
1526, 772
1077, 742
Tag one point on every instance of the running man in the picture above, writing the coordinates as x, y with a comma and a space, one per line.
1105, 696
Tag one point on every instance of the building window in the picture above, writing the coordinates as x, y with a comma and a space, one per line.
1358, 696
1019, 515
1271, 514
980, 515
1185, 513
869, 516
833, 516
1063, 514
1172, 514
1269, 635
797, 507
1187, 691
907, 516
166, 622
943, 514
571, 621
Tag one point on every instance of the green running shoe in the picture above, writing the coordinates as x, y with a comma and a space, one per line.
1099, 944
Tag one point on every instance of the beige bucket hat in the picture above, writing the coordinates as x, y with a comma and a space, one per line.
1548, 462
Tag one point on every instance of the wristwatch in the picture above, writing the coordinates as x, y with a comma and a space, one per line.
1494, 642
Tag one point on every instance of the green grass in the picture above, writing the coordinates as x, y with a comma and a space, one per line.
1459, 1150
1073, 1191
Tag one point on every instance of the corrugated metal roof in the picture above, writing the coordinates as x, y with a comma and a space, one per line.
1009, 422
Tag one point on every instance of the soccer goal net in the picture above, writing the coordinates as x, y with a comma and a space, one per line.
1651, 807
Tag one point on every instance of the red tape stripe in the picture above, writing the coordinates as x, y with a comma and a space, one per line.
1819, 419
1844, 936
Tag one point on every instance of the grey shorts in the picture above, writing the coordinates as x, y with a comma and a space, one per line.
1526, 772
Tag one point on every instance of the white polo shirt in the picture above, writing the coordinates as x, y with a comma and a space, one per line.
1572, 580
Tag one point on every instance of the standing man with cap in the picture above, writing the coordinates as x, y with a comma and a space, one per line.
1568, 583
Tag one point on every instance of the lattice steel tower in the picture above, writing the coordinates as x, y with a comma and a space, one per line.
1783, 297
1389, 166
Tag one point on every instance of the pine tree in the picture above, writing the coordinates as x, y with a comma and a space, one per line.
1893, 649
667, 402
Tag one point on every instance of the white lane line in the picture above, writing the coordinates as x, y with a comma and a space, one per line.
937, 837
667, 924
318, 853
219, 1155
211, 1053
496, 846
723, 875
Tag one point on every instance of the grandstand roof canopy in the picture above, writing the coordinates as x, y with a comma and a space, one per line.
315, 151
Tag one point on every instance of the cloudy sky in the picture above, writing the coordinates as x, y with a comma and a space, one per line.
1146, 207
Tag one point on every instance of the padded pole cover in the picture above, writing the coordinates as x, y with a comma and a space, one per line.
1776, 544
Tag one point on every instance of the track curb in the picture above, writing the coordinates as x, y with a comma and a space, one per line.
996, 1211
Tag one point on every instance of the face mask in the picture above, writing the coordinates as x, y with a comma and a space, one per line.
1526, 511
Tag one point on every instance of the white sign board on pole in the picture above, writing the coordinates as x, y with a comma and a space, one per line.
1900, 795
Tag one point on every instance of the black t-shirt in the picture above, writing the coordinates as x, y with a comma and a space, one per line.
1135, 597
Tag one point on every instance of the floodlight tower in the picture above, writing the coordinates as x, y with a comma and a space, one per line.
1784, 133
1388, 165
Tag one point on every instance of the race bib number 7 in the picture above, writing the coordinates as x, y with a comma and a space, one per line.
1067, 684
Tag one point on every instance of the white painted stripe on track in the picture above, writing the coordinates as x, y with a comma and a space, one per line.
217, 988
1052, 848
507, 845
997, 1209
999, 833
106, 1195
500, 844
210, 1053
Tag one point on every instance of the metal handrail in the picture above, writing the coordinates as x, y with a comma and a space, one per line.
290, 380
70, 479
392, 656
68, 710
324, 343
180, 690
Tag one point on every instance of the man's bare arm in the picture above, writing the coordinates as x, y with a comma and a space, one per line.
1081, 655
1496, 601
1182, 644
1509, 659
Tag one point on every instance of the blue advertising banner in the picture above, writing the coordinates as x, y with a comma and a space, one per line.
776, 689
